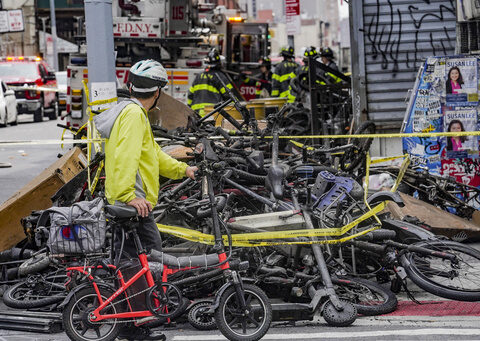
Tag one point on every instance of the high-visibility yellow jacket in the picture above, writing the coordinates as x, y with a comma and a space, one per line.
207, 89
133, 160
282, 74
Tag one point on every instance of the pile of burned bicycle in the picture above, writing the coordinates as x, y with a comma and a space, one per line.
270, 230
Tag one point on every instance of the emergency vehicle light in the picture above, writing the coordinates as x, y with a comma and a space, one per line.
235, 19
21, 58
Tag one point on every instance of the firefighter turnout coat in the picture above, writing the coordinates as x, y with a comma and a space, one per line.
282, 74
207, 89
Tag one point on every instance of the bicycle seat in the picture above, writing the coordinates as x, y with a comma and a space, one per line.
274, 181
181, 262
121, 211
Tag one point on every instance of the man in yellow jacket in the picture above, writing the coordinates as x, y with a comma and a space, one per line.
133, 160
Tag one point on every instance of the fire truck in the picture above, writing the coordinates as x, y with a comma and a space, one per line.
179, 34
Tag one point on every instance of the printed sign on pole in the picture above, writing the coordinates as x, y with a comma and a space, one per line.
103, 95
292, 10
4, 22
15, 20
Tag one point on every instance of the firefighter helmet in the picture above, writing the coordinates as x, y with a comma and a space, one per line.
287, 52
327, 53
213, 57
310, 51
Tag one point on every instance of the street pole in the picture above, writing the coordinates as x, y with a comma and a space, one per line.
100, 58
291, 41
44, 47
53, 24
100, 51
321, 34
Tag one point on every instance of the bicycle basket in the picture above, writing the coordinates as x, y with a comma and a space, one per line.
79, 229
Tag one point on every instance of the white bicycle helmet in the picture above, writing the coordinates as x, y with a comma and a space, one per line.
147, 76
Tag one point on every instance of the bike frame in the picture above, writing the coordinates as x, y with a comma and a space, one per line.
144, 271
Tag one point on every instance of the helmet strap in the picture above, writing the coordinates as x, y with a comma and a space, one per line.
154, 105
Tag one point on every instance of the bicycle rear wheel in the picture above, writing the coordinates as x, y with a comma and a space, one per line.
36, 291
457, 280
76, 317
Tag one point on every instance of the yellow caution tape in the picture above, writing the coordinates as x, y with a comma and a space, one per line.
264, 238
103, 101
199, 237
401, 173
393, 135
385, 159
301, 145
462, 133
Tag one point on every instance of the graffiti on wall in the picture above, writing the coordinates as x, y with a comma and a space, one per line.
393, 32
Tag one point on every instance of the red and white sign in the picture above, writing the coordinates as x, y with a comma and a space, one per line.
146, 28
122, 75
15, 20
248, 91
292, 10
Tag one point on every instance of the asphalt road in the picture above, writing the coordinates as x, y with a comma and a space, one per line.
27, 161
363, 329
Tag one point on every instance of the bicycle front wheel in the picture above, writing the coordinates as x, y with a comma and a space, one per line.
237, 324
457, 279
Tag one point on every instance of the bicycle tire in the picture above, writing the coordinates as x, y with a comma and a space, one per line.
445, 281
11, 298
200, 321
368, 297
34, 265
71, 326
352, 157
229, 297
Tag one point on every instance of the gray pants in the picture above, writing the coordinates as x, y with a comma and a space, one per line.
149, 236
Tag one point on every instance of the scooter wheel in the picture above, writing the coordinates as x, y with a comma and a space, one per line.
339, 318
199, 318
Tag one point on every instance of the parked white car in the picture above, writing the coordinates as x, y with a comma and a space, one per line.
8, 106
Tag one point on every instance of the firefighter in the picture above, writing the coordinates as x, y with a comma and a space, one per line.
283, 73
263, 80
301, 75
327, 58
207, 88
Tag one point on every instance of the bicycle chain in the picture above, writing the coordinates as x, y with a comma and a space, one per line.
123, 300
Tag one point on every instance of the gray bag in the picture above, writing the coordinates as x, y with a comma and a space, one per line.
78, 229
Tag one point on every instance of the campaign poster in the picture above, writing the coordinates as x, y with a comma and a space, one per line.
461, 81
460, 120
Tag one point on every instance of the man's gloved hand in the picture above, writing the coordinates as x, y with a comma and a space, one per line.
190, 172
143, 206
